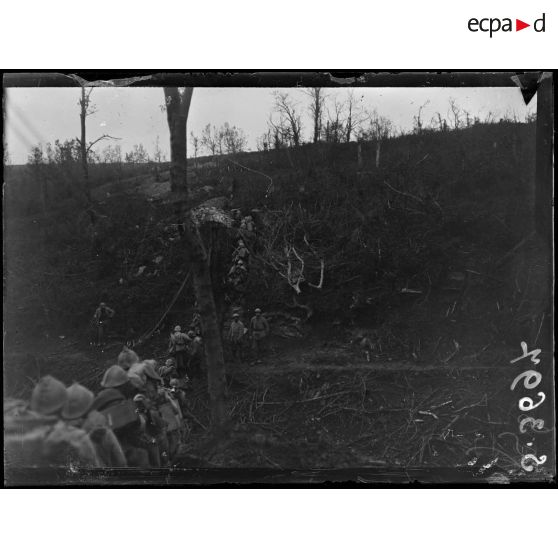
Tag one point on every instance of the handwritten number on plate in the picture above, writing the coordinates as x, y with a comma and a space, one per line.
533, 354
526, 403
529, 456
528, 382
536, 424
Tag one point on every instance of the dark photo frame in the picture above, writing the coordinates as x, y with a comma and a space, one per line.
474, 419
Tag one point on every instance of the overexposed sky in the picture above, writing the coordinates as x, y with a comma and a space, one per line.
41, 115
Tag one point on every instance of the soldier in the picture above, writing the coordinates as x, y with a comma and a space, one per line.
238, 274
106, 443
146, 371
236, 337
78, 403
169, 410
168, 371
103, 315
241, 252
236, 217
77, 411
178, 348
153, 428
259, 330
38, 436
115, 377
195, 324
137, 380
127, 358
178, 394
367, 347
115, 403
247, 224
367, 344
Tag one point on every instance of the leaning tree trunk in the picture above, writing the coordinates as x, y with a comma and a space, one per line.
203, 288
178, 105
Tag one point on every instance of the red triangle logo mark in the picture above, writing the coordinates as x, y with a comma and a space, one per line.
519, 25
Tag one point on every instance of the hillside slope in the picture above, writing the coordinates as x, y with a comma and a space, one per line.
411, 249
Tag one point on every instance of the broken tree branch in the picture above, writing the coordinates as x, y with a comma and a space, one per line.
103, 137
403, 193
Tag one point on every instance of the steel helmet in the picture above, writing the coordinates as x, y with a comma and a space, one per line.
145, 370
106, 398
94, 421
170, 362
177, 328
235, 315
79, 402
49, 396
257, 311
115, 376
127, 358
139, 397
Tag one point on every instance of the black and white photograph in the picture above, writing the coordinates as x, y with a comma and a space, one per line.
278, 278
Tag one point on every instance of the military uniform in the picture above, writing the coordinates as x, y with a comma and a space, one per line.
178, 346
259, 329
236, 337
107, 446
32, 440
131, 434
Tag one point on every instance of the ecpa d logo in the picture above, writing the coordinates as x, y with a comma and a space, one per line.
492, 25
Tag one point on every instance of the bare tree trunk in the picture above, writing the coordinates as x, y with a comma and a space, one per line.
378, 148
359, 155
349, 128
178, 106
83, 145
214, 359
317, 107
178, 167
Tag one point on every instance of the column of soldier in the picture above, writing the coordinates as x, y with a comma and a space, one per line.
238, 273
135, 420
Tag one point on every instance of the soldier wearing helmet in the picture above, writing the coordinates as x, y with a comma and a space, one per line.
107, 446
168, 371
102, 316
39, 437
195, 324
114, 376
236, 337
178, 346
115, 401
153, 428
78, 412
259, 330
127, 358
49, 396
241, 252
78, 403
